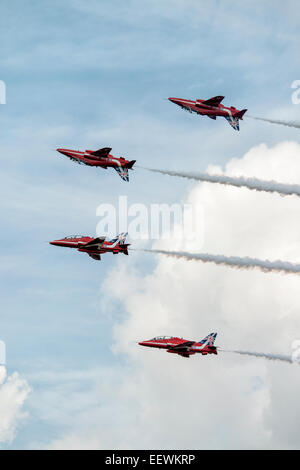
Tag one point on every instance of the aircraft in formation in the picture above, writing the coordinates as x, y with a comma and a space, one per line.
183, 347
102, 158
212, 108
94, 247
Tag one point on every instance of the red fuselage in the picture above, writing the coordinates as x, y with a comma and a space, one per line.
100, 158
88, 158
180, 346
199, 107
212, 108
94, 247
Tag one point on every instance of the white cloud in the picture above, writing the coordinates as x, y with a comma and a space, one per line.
14, 391
226, 401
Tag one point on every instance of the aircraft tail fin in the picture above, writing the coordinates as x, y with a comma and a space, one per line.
123, 172
209, 339
234, 122
119, 239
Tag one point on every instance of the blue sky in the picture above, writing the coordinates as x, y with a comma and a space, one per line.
94, 74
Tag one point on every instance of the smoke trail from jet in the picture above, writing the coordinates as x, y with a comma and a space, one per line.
250, 183
271, 357
233, 261
277, 121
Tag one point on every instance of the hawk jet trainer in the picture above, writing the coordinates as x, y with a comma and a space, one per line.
183, 347
94, 247
102, 158
212, 108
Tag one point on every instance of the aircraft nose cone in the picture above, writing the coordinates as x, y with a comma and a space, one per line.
55, 242
62, 151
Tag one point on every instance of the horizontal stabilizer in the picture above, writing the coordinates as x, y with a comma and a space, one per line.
101, 153
125, 247
215, 101
240, 114
130, 164
212, 349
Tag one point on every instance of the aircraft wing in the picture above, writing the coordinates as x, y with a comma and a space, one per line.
102, 153
95, 256
183, 347
96, 243
184, 354
215, 101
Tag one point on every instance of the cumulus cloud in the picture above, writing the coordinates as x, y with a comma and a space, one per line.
225, 401
14, 391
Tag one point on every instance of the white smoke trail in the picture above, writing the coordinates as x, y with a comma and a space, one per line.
271, 357
250, 183
233, 261
277, 121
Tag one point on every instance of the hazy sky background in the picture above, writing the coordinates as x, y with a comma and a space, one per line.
93, 74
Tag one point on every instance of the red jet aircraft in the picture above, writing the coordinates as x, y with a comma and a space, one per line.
212, 108
102, 158
183, 347
95, 246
